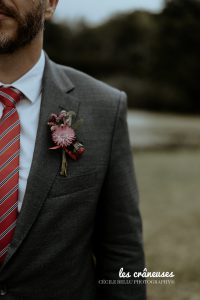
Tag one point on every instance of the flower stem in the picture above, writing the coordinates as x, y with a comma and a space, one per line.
63, 171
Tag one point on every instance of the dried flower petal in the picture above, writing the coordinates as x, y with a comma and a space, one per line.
63, 136
52, 119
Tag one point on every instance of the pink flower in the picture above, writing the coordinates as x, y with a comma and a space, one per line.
63, 136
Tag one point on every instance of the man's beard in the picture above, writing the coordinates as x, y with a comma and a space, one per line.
28, 26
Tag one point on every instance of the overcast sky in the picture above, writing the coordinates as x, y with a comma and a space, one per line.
96, 11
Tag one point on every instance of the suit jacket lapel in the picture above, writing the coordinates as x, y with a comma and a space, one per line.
46, 163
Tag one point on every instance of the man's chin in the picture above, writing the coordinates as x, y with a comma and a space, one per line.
8, 42
7, 47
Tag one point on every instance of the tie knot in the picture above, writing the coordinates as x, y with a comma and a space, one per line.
9, 96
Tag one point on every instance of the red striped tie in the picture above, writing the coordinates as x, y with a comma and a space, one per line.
9, 166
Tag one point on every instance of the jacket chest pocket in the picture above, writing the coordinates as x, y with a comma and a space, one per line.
68, 185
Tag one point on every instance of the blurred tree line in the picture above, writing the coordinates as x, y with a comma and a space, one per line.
153, 57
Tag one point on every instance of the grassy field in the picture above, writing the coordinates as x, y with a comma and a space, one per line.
169, 184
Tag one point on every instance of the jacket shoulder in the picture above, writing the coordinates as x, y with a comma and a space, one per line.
90, 87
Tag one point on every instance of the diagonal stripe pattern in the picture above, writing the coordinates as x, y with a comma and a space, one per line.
9, 166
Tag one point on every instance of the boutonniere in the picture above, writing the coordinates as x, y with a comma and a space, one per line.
64, 137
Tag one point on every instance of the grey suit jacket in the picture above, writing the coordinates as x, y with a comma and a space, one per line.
73, 232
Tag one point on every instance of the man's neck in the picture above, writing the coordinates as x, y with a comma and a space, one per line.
15, 65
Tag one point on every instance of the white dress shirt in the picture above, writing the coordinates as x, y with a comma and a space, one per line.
28, 109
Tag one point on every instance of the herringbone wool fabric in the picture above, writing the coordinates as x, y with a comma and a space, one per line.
9, 166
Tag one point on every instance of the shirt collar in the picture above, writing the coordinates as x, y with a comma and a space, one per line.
30, 84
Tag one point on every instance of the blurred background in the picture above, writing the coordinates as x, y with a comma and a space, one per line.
150, 49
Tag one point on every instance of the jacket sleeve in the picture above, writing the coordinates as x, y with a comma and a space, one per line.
118, 231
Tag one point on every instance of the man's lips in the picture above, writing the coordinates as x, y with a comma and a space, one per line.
3, 15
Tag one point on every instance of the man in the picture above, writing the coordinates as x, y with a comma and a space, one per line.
62, 237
